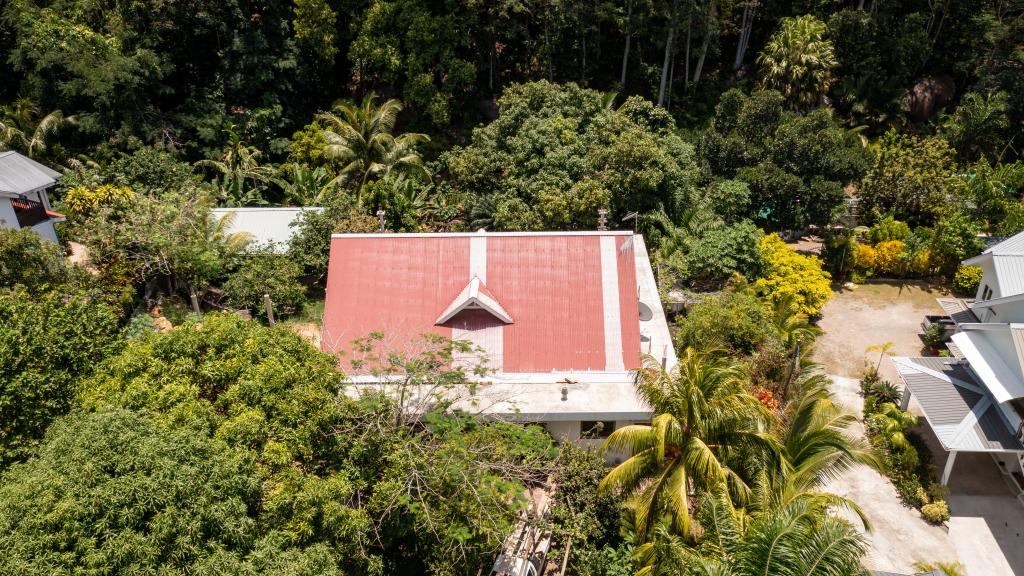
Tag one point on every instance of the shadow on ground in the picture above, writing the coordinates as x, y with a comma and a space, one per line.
987, 524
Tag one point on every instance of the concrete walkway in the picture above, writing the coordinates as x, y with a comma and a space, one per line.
899, 536
986, 531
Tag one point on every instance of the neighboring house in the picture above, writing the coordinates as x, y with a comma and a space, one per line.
562, 317
264, 225
23, 199
974, 400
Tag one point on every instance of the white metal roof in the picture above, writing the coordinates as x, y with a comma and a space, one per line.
995, 359
1012, 245
264, 225
958, 408
1009, 273
20, 174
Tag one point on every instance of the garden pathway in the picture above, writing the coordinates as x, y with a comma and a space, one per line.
873, 314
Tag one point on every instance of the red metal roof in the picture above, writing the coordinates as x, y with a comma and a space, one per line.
572, 296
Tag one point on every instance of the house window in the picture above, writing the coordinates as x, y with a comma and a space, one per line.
596, 428
986, 293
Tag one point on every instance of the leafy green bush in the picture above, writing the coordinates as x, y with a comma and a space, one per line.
711, 257
116, 492
887, 230
27, 259
934, 336
270, 273
966, 280
955, 239
735, 321
937, 512
47, 343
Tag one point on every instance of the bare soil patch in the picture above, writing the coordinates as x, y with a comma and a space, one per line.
869, 315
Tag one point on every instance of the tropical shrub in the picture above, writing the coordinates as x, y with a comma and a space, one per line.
266, 272
888, 229
791, 276
955, 239
966, 280
28, 260
82, 201
115, 491
735, 321
48, 342
936, 512
911, 179
864, 257
710, 257
888, 257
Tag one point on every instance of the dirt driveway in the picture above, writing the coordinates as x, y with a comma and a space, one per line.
869, 315
854, 319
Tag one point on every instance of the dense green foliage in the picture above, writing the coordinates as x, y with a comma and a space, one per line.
268, 273
557, 154
30, 261
116, 492
795, 165
718, 130
384, 494
48, 342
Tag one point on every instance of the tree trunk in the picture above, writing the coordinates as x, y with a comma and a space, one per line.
668, 54
707, 41
583, 68
689, 35
547, 43
671, 81
629, 39
746, 26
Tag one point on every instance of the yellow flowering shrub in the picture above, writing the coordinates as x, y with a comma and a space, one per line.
863, 257
791, 275
921, 262
887, 257
81, 200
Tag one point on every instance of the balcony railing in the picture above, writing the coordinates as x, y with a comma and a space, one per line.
29, 212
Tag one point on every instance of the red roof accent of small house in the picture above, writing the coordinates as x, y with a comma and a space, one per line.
546, 301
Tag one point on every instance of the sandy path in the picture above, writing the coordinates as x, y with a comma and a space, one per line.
869, 315
854, 319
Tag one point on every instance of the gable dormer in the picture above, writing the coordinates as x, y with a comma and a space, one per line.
475, 296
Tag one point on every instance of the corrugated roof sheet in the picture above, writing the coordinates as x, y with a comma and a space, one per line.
961, 412
264, 225
20, 174
572, 296
1009, 273
958, 309
1012, 245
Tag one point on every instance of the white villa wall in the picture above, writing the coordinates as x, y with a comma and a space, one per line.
46, 230
988, 278
1002, 313
8, 219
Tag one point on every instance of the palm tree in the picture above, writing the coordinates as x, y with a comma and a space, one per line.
21, 127
360, 138
798, 61
893, 423
703, 418
305, 186
242, 179
797, 537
